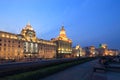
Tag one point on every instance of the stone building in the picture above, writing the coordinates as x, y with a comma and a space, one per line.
78, 51
25, 45
64, 44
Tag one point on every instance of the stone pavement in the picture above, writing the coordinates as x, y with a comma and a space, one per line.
113, 76
99, 76
80, 72
84, 72
110, 75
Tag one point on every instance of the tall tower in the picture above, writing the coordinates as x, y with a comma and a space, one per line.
62, 33
63, 36
64, 44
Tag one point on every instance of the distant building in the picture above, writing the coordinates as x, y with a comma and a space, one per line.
113, 52
103, 49
91, 51
87, 52
25, 45
64, 44
103, 46
78, 51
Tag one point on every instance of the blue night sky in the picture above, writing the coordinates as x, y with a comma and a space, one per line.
87, 22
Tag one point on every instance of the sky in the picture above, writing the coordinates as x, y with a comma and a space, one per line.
87, 22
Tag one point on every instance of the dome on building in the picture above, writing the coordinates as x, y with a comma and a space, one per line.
29, 27
62, 33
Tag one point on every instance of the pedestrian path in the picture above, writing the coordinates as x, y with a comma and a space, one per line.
84, 72
113, 76
99, 76
79, 72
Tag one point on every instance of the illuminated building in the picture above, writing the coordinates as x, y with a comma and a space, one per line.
92, 51
113, 52
78, 51
11, 46
103, 49
25, 45
64, 44
103, 46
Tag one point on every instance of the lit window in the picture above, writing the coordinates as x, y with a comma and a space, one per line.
11, 36
3, 35
7, 36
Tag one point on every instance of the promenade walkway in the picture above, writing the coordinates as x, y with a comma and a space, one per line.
83, 72
79, 72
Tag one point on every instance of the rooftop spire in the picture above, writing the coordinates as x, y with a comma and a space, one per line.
62, 24
62, 32
28, 26
62, 28
28, 23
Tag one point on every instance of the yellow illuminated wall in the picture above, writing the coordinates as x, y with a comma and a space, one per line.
64, 44
25, 45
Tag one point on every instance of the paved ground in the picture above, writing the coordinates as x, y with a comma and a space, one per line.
99, 76
84, 72
79, 72
113, 76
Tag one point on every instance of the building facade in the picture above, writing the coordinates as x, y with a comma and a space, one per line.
78, 51
10, 46
25, 45
64, 44
103, 49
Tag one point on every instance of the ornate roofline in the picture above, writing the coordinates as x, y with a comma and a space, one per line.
8, 33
